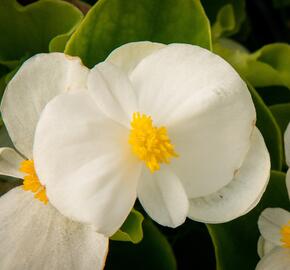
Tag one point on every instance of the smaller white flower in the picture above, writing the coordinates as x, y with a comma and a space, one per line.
33, 234
274, 225
274, 243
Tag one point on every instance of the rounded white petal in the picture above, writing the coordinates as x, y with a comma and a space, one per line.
243, 192
36, 236
270, 223
163, 197
277, 259
112, 92
206, 108
288, 182
260, 246
287, 144
37, 81
86, 162
128, 56
264, 246
10, 162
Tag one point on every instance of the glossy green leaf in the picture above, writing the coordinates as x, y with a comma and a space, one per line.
236, 241
58, 43
153, 252
112, 23
5, 140
29, 30
2, 85
281, 113
225, 22
270, 130
131, 230
268, 66
7, 183
226, 16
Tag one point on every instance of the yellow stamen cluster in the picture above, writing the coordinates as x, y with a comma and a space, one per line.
285, 232
31, 181
150, 144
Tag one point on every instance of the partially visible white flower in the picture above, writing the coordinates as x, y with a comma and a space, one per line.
172, 125
287, 154
274, 225
274, 242
33, 234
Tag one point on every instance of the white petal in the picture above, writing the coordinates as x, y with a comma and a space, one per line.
207, 109
287, 144
242, 194
270, 223
86, 162
163, 197
288, 182
128, 56
36, 236
38, 80
260, 246
10, 162
264, 246
113, 93
277, 259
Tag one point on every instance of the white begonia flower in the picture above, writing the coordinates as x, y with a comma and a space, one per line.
274, 242
172, 125
274, 225
33, 234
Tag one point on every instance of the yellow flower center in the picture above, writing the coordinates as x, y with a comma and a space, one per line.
149, 143
285, 232
31, 181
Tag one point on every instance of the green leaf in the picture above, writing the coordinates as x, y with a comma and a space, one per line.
5, 140
153, 252
2, 85
226, 16
112, 23
58, 43
281, 113
268, 66
29, 30
225, 22
7, 183
236, 241
270, 130
131, 230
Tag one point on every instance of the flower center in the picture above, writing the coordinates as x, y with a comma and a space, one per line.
149, 143
31, 181
285, 232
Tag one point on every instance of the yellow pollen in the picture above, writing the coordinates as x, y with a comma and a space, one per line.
149, 143
285, 232
31, 181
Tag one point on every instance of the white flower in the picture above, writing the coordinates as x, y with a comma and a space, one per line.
274, 225
33, 234
172, 125
274, 242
